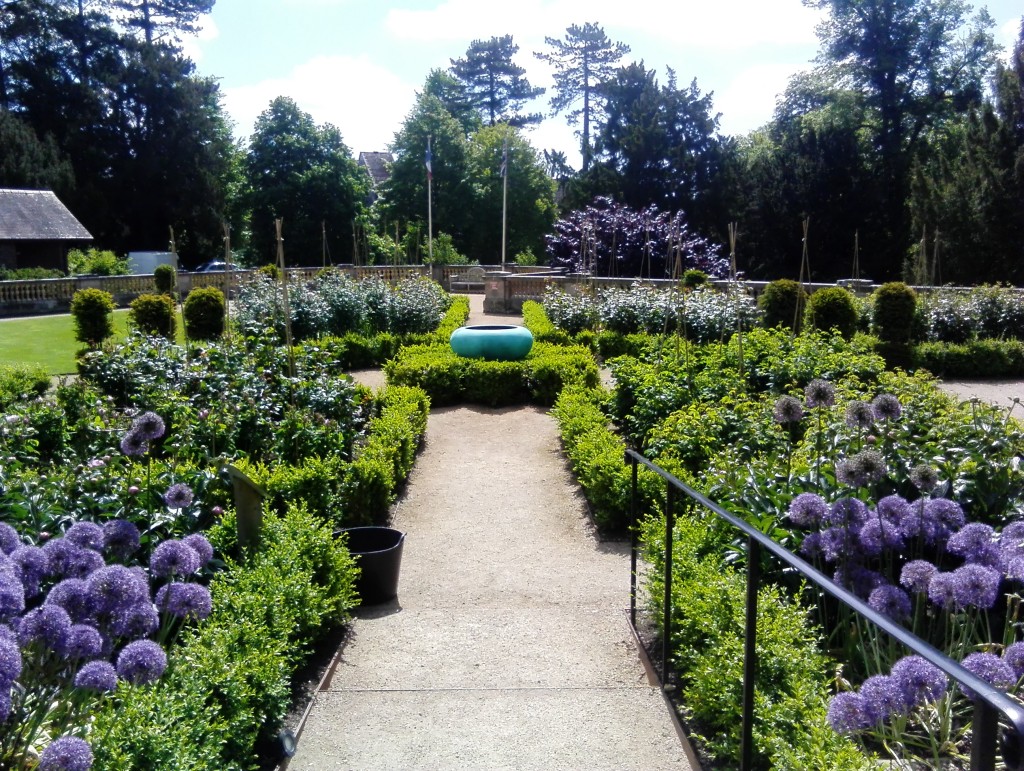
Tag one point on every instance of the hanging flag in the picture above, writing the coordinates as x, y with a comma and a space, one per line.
429, 161
504, 158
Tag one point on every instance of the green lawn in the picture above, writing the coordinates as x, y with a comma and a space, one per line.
50, 340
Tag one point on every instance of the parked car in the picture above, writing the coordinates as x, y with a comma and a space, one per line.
212, 266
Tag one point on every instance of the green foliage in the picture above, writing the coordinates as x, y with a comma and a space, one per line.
974, 359
270, 270
91, 309
494, 84
596, 455
526, 258
383, 463
832, 308
445, 252
450, 379
21, 381
782, 303
203, 313
28, 274
227, 686
893, 312
166, 279
536, 320
96, 262
154, 314
693, 278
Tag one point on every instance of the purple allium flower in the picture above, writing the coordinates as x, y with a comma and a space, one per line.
141, 662
10, 662
1015, 569
788, 409
85, 642
5, 704
892, 508
97, 676
67, 560
849, 712
920, 680
836, 542
88, 535
74, 596
847, 474
859, 415
976, 585
31, 565
971, 540
1011, 541
917, 574
68, 753
184, 600
878, 535
847, 512
49, 625
172, 557
811, 547
870, 465
946, 513
1014, 656
149, 426
12, 595
883, 695
178, 496
202, 546
858, 579
6, 633
115, 587
136, 621
942, 590
9, 540
886, 407
134, 444
924, 477
990, 668
96, 463
891, 601
807, 510
819, 393
120, 538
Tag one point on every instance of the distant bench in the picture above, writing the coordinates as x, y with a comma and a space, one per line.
470, 281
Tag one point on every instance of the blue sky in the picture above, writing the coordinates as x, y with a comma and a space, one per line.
357, 64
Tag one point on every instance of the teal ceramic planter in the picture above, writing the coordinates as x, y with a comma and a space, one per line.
494, 342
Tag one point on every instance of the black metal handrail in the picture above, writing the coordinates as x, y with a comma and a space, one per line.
988, 706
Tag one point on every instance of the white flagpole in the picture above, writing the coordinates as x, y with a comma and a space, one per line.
504, 200
430, 205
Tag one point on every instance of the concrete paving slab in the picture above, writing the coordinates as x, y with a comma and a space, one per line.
594, 729
489, 648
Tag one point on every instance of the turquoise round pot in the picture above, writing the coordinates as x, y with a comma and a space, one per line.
494, 342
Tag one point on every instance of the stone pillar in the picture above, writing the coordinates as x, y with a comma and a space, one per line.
496, 292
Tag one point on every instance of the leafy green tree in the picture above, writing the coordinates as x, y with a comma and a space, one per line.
583, 60
31, 162
452, 94
531, 209
403, 197
304, 174
496, 86
157, 18
916, 64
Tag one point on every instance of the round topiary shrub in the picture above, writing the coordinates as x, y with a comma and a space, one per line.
694, 278
782, 302
832, 308
153, 314
166, 279
92, 309
270, 271
203, 314
893, 312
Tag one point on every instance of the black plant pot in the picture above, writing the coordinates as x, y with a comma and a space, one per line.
378, 552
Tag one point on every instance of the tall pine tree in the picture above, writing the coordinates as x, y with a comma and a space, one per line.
496, 86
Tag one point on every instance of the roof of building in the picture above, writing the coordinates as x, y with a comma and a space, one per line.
378, 165
37, 215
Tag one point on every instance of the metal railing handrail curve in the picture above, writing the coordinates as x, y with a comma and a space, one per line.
991, 701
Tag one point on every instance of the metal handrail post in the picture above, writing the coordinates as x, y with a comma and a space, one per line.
666, 641
633, 541
750, 654
984, 735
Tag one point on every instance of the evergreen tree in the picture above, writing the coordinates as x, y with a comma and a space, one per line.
584, 59
496, 86
452, 94
159, 18
304, 174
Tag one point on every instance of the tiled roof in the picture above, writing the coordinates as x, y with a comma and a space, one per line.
378, 165
37, 215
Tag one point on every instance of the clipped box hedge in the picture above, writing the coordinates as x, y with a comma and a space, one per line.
451, 379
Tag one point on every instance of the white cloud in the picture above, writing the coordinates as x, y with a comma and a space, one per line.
748, 101
364, 100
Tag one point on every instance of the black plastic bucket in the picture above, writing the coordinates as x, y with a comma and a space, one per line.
378, 552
